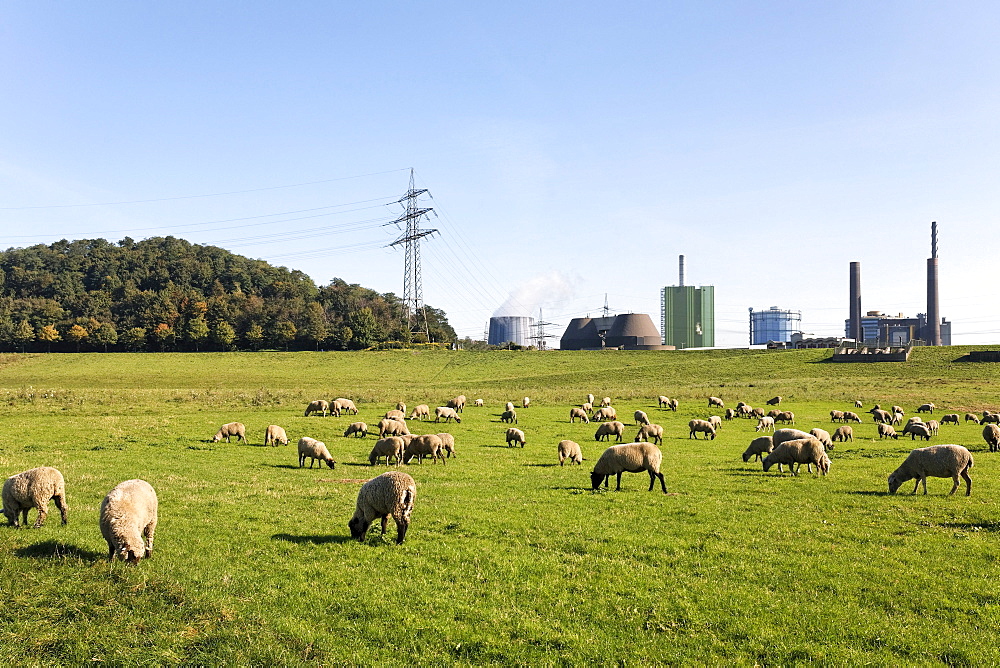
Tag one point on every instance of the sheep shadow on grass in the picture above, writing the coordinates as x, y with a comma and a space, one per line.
992, 527
312, 540
53, 549
870, 492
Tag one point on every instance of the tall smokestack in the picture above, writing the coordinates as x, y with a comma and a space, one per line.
933, 328
855, 331
681, 263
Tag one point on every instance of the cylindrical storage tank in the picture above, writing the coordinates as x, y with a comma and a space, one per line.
510, 329
774, 324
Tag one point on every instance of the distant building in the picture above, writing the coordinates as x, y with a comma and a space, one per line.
629, 331
878, 329
773, 325
688, 316
510, 329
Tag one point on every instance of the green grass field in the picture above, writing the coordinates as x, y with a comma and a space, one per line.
510, 558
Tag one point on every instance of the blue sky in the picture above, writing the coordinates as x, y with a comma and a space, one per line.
572, 150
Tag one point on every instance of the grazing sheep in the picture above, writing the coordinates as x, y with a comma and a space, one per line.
605, 413
774, 401
991, 434
318, 406
590, 399
575, 413
390, 494
898, 409
509, 406
458, 404
395, 415
836, 416
758, 413
926, 408
34, 488
935, 461
570, 450
674, 404
823, 436
858, 404
887, 431
850, 416
421, 411
701, 426
478, 403
914, 420
446, 412
950, 418
447, 445
917, 429
650, 432
231, 429
843, 434
758, 448
774, 412
631, 457
274, 435
609, 429
716, 401
765, 423
897, 418
663, 402
587, 407
785, 416
797, 452
357, 428
729, 414
605, 402
316, 451
715, 421
640, 417
509, 416
880, 416
128, 520
391, 446
970, 417
341, 405
421, 446
991, 418
525, 402
387, 427
744, 410
933, 427
515, 437
401, 407
789, 434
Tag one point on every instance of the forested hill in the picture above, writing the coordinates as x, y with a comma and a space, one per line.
165, 293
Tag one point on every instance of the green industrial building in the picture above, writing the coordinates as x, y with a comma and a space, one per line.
688, 315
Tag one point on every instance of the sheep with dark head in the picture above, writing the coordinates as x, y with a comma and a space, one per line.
34, 488
935, 461
630, 457
390, 494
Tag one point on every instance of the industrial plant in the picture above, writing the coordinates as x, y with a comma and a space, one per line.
626, 331
687, 314
774, 326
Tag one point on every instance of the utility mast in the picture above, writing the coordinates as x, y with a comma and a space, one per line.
540, 336
413, 288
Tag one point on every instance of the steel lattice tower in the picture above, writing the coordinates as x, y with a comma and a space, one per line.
413, 290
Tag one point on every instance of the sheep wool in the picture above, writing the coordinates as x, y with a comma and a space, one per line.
34, 489
391, 446
758, 448
390, 494
421, 446
935, 461
570, 450
316, 451
231, 429
447, 445
630, 457
128, 520
275, 435
796, 452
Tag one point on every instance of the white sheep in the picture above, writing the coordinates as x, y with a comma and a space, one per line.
525, 402
390, 494
630, 457
650, 432
605, 402
843, 434
758, 447
765, 423
850, 416
729, 414
788, 434
401, 407
716, 401
605, 413
575, 413
341, 405
420, 411
991, 434
950, 418
458, 403
703, 427
318, 406
590, 399
391, 446
509, 406
128, 520
316, 451
936, 461
514, 437
823, 436
509, 416
570, 450
387, 427
715, 421
447, 445
587, 407
421, 446
674, 404
275, 435
785, 416
34, 488
858, 404
915, 429
663, 402
837, 416
887, 431
446, 412
897, 409
971, 417
395, 414
231, 429
609, 429
933, 427
478, 403
927, 408
356, 428
640, 417
797, 452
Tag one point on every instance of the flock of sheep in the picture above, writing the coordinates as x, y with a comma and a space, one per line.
128, 513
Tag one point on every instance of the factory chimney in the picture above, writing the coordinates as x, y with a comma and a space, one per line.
681, 263
855, 331
933, 329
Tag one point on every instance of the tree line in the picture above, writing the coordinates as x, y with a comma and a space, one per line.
167, 294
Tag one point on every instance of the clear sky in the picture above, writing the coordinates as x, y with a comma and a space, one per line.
573, 149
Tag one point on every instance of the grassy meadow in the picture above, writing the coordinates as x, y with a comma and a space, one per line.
510, 558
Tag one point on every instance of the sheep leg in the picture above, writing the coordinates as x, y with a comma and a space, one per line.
618, 484
968, 482
385, 520
148, 533
61, 505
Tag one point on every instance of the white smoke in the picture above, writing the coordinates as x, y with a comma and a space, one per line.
537, 291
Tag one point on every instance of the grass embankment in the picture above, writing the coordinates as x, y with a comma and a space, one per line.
510, 558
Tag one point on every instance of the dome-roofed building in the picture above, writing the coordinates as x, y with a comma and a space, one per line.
630, 331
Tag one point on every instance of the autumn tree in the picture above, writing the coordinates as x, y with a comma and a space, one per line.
49, 334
